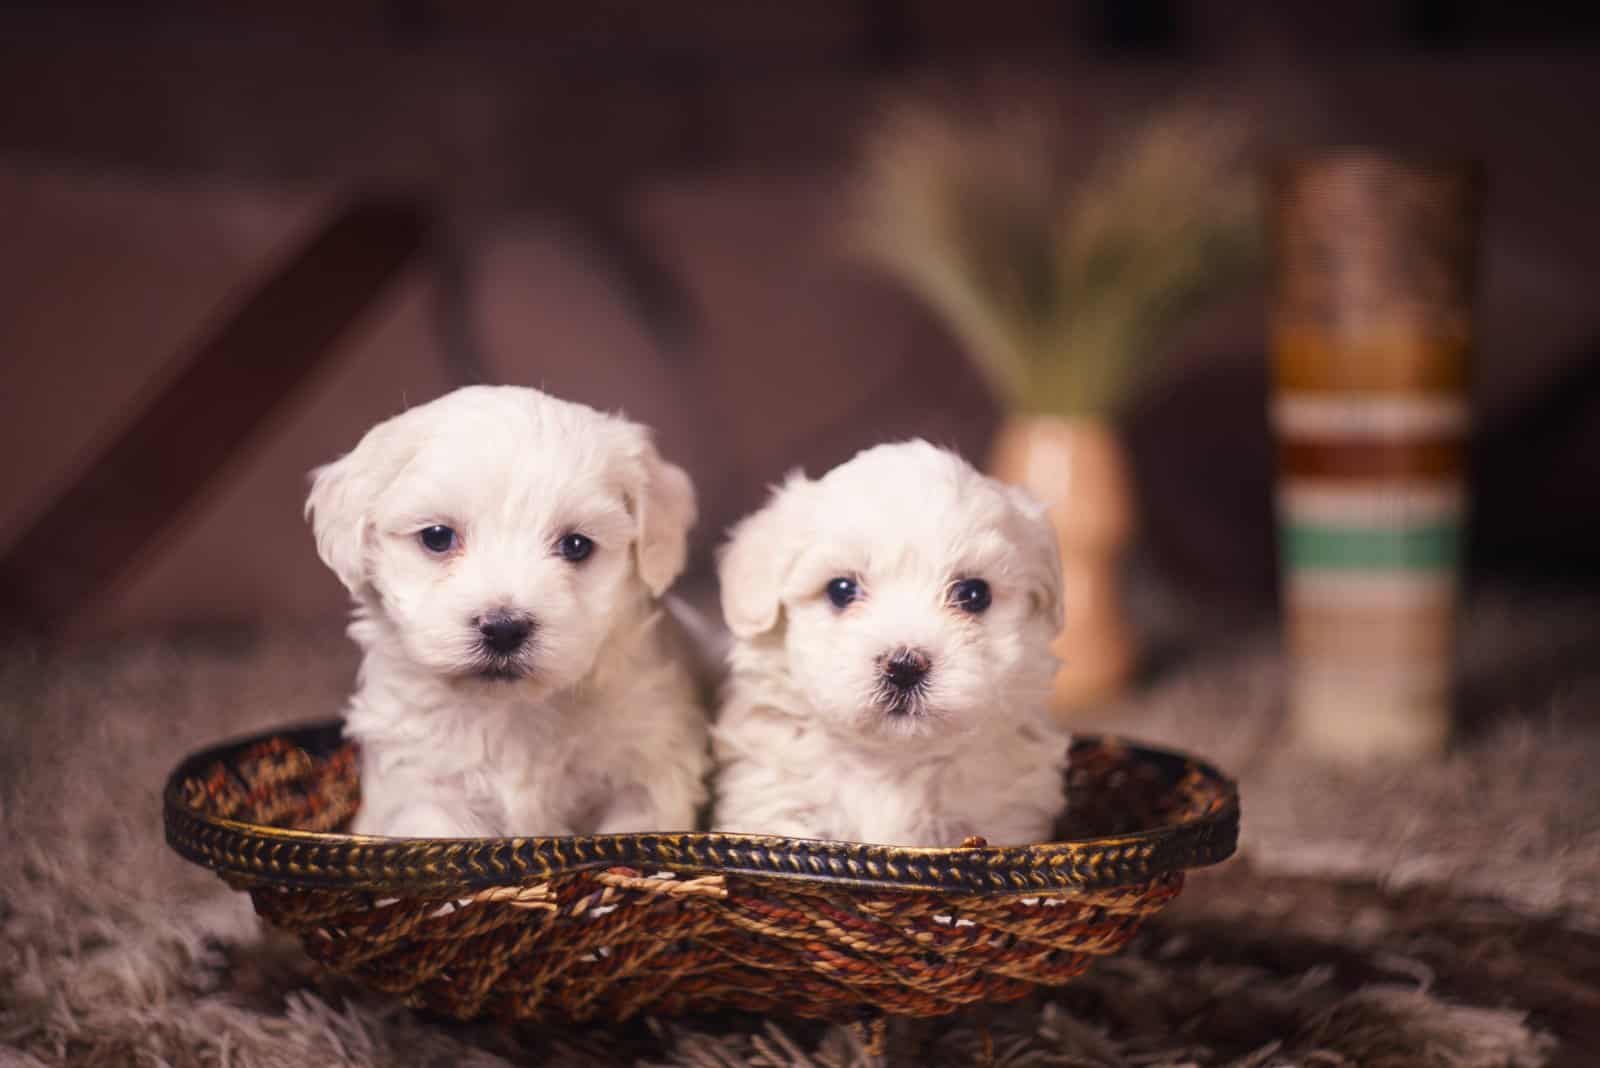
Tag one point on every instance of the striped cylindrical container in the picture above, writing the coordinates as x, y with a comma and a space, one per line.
1371, 337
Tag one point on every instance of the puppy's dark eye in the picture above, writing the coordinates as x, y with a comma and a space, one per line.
437, 539
971, 595
575, 547
841, 591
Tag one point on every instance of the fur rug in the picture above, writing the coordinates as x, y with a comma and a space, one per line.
1512, 814
1313, 950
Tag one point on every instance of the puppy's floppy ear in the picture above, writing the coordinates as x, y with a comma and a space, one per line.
343, 493
1042, 566
664, 509
754, 563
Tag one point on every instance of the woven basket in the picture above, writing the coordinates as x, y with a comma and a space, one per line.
604, 928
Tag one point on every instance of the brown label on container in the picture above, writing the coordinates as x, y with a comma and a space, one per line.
1395, 359
1371, 460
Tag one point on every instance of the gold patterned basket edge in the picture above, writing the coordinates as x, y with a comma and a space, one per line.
249, 854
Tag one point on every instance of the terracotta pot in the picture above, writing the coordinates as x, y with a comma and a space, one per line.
1078, 468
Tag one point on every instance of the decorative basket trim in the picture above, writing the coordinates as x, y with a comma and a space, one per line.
1202, 831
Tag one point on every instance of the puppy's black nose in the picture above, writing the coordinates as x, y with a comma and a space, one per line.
906, 668
504, 634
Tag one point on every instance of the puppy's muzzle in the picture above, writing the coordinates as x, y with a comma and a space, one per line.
905, 670
503, 635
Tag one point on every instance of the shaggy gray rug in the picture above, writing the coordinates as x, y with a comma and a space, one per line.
1361, 926
1512, 814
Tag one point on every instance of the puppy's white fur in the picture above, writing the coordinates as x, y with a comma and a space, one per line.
594, 725
806, 744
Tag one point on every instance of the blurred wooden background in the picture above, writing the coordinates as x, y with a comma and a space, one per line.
641, 206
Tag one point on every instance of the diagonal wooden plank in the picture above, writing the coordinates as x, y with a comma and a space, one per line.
149, 471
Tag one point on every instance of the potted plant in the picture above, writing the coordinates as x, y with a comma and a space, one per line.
1062, 284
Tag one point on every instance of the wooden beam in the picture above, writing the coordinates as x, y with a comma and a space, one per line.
147, 474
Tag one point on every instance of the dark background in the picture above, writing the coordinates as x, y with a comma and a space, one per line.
641, 206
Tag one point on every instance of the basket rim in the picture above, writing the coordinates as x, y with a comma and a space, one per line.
249, 854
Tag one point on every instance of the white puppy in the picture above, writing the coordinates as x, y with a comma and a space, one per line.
505, 550
891, 666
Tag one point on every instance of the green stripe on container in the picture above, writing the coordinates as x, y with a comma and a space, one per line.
1426, 547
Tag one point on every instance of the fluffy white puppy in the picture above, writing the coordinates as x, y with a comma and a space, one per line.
505, 551
891, 664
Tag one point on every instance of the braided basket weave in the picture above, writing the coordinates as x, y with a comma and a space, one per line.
607, 927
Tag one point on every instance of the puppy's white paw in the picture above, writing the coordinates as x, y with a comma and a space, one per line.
426, 821
634, 810
800, 825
